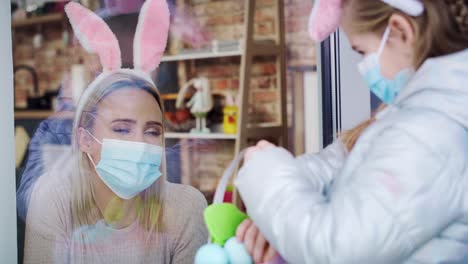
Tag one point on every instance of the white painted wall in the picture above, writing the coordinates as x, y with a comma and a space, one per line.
355, 96
312, 112
8, 250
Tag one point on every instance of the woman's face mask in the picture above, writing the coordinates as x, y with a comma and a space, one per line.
128, 167
385, 89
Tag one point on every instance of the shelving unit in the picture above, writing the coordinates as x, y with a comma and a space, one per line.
249, 50
37, 21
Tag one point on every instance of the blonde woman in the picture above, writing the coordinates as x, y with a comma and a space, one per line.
109, 201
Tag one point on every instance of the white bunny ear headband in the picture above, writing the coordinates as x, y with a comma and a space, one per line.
149, 43
326, 15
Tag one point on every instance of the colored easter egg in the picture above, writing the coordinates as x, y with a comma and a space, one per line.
211, 254
237, 252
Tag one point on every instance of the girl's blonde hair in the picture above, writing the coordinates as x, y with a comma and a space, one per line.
441, 30
83, 206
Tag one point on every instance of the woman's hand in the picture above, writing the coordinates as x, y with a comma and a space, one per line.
256, 244
261, 145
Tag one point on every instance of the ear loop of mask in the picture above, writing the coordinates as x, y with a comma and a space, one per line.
98, 141
223, 182
89, 133
383, 43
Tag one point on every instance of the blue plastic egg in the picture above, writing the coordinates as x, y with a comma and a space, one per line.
211, 254
237, 252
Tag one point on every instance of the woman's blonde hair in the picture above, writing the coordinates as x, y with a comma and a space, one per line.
441, 30
83, 206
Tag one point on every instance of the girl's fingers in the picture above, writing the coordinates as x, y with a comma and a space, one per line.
250, 151
263, 144
259, 248
242, 229
250, 238
255, 243
270, 254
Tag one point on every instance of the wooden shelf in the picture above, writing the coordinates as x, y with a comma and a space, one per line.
173, 135
39, 114
260, 48
38, 20
171, 96
202, 55
265, 125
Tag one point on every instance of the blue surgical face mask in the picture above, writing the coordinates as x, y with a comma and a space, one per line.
128, 167
386, 90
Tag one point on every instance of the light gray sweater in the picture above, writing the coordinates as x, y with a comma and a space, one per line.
50, 238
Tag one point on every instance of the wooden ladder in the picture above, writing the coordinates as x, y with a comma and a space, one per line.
253, 48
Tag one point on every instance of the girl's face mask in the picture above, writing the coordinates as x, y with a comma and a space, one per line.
386, 90
128, 167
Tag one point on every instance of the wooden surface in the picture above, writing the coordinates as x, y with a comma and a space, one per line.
201, 55
32, 21
299, 118
33, 114
252, 48
172, 135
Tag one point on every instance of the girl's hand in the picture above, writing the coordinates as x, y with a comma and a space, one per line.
261, 145
256, 244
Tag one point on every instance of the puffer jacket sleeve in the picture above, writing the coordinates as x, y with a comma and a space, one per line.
323, 166
395, 200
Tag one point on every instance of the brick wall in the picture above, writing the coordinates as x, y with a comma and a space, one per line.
301, 49
51, 61
223, 20
46, 60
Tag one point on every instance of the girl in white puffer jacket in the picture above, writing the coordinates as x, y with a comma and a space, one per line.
395, 189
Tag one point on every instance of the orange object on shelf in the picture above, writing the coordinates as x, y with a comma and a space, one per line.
230, 119
230, 112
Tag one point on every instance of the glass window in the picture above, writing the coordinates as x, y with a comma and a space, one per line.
115, 156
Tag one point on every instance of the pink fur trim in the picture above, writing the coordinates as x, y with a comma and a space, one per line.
325, 18
151, 35
94, 35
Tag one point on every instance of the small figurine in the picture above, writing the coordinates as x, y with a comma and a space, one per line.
200, 103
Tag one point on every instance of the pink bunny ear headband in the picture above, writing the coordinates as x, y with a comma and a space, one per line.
326, 15
148, 46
